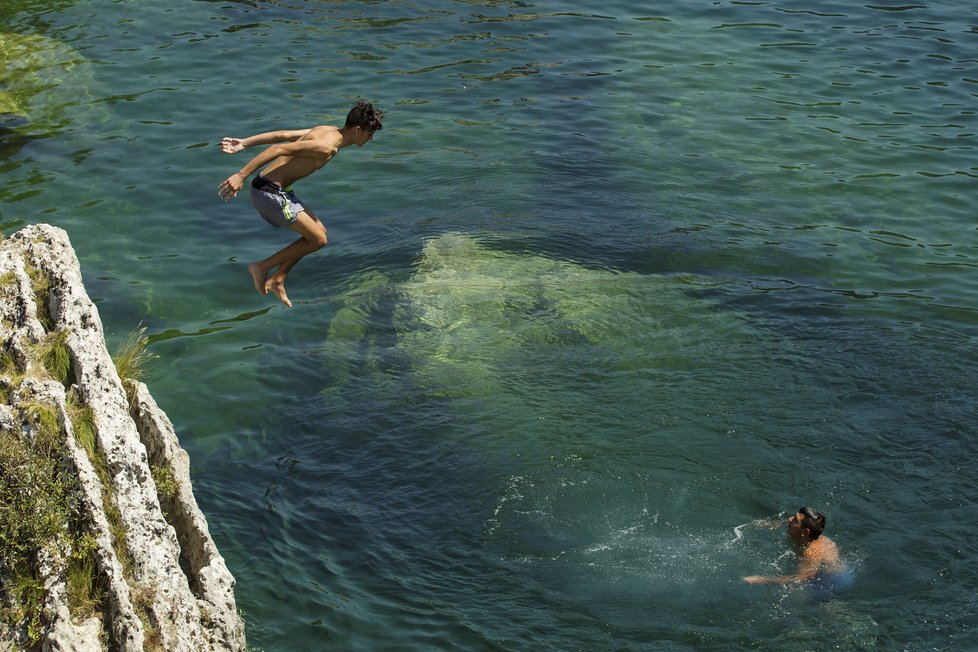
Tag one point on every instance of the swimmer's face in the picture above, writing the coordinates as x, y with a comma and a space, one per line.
363, 136
794, 525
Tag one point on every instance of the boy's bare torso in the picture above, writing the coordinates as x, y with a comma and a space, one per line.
287, 169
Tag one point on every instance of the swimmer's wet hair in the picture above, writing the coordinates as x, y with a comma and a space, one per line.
813, 521
365, 116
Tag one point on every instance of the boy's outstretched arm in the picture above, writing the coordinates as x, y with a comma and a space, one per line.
230, 145
232, 185
807, 568
310, 146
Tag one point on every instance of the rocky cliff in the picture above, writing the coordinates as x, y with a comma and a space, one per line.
102, 544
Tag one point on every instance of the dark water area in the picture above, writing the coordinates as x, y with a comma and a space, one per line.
612, 281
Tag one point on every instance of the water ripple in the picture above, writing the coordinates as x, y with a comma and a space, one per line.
695, 246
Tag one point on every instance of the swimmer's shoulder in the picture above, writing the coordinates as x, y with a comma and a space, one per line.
826, 555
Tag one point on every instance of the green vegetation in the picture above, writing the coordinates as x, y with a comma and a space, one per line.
52, 352
40, 510
83, 423
85, 588
142, 597
45, 421
7, 362
8, 375
131, 358
166, 484
41, 284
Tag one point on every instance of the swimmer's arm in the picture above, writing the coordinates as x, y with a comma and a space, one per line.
771, 579
777, 579
806, 570
231, 145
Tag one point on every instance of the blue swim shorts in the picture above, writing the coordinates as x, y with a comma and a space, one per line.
278, 206
825, 586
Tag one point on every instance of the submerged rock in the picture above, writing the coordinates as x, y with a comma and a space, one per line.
109, 549
39, 77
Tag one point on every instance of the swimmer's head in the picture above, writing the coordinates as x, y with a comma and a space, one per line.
807, 524
365, 117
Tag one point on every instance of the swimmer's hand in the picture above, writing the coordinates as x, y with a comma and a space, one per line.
231, 186
755, 579
232, 145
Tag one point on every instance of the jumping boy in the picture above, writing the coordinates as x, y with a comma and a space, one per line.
303, 152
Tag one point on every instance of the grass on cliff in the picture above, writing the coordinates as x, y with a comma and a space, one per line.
53, 354
83, 423
166, 483
86, 435
132, 357
40, 512
47, 358
41, 284
9, 375
7, 362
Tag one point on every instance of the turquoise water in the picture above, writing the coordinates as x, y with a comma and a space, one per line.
611, 282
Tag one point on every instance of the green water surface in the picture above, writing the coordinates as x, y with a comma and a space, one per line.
613, 280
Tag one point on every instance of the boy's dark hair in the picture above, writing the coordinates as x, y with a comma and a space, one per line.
813, 521
365, 116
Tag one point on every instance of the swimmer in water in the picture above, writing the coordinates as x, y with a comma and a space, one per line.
821, 569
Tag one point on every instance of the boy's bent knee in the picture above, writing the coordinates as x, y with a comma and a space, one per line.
311, 229
318, 240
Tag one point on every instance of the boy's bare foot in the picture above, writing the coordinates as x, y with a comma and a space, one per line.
278, 289
258, 277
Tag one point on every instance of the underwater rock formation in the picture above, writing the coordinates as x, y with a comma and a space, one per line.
473, 319
34, 76
102, 545
537, 345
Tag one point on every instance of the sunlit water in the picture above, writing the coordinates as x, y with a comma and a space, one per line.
611, 282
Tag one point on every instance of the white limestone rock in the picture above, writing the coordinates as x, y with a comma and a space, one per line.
150, 601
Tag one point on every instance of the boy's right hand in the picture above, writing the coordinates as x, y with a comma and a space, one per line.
231, 186
232, 145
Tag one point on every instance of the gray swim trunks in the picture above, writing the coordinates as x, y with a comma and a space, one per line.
279, 206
